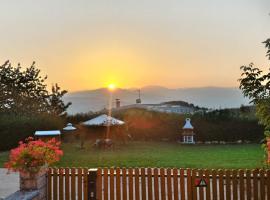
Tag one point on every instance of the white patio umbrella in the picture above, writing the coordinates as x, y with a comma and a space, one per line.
103, 120
69, 127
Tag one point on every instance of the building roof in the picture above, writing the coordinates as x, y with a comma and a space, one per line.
47, 133
188, 124
103, 120
69, 127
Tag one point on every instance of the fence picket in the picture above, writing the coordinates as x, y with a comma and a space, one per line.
130, 183
228, 184
111, 183
61, 189
241, 185
99, 183
137, 184
248, 185
169, 184
193, 187
55, 186
182, 184
79, 183
262, 185
206, 172
105, 183
85, 184
162, 184
175, 184
118, 189
221, 184
124, 183
67, 183
73, 181
255, 184
150, 184
156, 184
143, 184
234, 184
189, 185
214, 183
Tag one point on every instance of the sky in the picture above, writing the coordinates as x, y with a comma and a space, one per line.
88, 44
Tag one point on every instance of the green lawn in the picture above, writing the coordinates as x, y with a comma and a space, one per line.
157, 154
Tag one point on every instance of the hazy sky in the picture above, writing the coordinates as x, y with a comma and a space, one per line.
86, 44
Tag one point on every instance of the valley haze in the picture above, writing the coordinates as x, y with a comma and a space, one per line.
209, 97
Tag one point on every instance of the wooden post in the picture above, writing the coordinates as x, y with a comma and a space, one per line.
268, 149
92, 184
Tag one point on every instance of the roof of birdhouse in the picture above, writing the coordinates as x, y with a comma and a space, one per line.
103, 120
47, 133
188, 124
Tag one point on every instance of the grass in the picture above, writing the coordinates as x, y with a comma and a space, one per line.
157, 154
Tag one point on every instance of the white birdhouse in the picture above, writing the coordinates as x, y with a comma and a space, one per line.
188, 134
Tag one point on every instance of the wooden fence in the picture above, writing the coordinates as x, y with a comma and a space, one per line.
157, 184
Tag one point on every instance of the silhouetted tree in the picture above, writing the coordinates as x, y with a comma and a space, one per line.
256, 86
56, 105
25, 92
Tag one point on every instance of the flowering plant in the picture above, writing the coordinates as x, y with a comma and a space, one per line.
32, 155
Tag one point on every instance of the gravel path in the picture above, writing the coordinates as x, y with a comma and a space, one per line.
9, 183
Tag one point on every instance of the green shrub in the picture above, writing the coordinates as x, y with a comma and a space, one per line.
227, 130
221, 125
14, 128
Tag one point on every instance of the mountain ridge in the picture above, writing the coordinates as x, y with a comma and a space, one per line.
210, 97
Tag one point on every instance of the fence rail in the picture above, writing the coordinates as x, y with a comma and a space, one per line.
157, 184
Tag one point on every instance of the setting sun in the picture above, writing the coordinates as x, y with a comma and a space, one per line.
111, 86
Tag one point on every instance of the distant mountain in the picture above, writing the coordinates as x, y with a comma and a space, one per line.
210, 97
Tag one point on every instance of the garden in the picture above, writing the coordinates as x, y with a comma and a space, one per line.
160, 154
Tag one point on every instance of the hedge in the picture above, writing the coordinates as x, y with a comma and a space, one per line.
14, 128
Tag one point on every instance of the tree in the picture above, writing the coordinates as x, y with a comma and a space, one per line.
56, 105
256, 86
25, 92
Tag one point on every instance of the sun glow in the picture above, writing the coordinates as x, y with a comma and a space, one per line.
111, 86
121, 65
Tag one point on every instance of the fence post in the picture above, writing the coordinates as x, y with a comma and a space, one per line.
92, 184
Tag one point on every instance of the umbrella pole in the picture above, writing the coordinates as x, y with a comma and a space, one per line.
110, 115
107, 132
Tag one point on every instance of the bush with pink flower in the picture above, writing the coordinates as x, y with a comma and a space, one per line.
32, 155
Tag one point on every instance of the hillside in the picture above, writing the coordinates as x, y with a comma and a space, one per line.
210, 97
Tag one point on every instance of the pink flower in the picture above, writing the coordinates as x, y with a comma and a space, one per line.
33, 154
